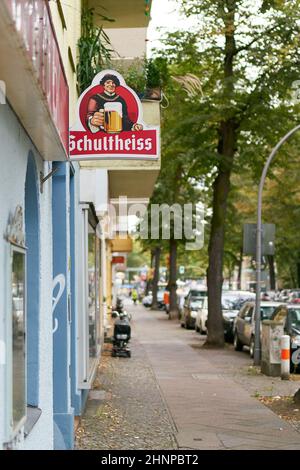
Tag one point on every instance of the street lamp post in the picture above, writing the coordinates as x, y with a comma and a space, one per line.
257, 345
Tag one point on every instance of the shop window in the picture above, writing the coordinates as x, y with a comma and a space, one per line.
19, 340
16, 408
32, 283
22, 410
89, 318
92, 300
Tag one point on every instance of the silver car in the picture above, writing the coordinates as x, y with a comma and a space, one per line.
244, 327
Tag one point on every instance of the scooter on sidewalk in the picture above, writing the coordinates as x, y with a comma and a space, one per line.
122, 335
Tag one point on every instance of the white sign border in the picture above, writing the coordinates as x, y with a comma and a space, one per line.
78, 126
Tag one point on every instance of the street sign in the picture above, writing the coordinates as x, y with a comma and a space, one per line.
268, 239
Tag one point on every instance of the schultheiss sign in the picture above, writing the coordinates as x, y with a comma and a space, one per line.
110, 123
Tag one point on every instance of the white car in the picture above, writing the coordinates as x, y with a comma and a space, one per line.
201, 318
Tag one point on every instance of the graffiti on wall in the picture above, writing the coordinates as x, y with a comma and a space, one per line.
60, 282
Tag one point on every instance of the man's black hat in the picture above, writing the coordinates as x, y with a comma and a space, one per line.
113, 78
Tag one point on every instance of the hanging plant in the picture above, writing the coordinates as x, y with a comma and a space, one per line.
134, 74
156, 76
95, 49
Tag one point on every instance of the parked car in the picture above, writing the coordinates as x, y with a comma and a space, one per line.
193, 301
244, 325
230, 309
147, 300
231, 304
283, 295
201, 317
289, 315
294, 297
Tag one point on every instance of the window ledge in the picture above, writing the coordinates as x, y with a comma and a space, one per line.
33, 415
87, 384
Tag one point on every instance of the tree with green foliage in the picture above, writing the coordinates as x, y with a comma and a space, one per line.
281, 206
178, 183
249, 57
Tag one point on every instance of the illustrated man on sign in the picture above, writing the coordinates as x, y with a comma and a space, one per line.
108, 111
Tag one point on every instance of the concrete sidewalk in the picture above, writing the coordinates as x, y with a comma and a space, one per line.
210, 409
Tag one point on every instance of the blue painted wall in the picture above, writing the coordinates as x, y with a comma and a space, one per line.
63, 412
75, 393
33, 281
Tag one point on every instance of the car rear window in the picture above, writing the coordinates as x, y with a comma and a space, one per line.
294, 317
266, 312
197, 302
198, 293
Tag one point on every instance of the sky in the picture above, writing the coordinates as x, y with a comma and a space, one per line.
165, 14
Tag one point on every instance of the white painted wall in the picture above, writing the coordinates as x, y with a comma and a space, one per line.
14, 150
68, 39
129, 43
94, 187
41, 436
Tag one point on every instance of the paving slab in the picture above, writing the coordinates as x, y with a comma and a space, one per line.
209, 407
173, 394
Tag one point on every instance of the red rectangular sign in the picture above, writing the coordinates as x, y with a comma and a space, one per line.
118, 260
101, 145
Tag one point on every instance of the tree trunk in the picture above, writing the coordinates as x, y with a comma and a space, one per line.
150, 281
230, 274
239, 279
293, 279
226, 150
215, 326
152, 262
174, 313
272, 272
298, 274
157, 253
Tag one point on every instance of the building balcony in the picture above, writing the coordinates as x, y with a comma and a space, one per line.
31, 67
128, 31
122, 245
127, 14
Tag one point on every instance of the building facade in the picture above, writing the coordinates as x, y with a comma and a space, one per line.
105, 182
34, 134
55, 261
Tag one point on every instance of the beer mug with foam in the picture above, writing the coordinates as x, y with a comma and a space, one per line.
113, 117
